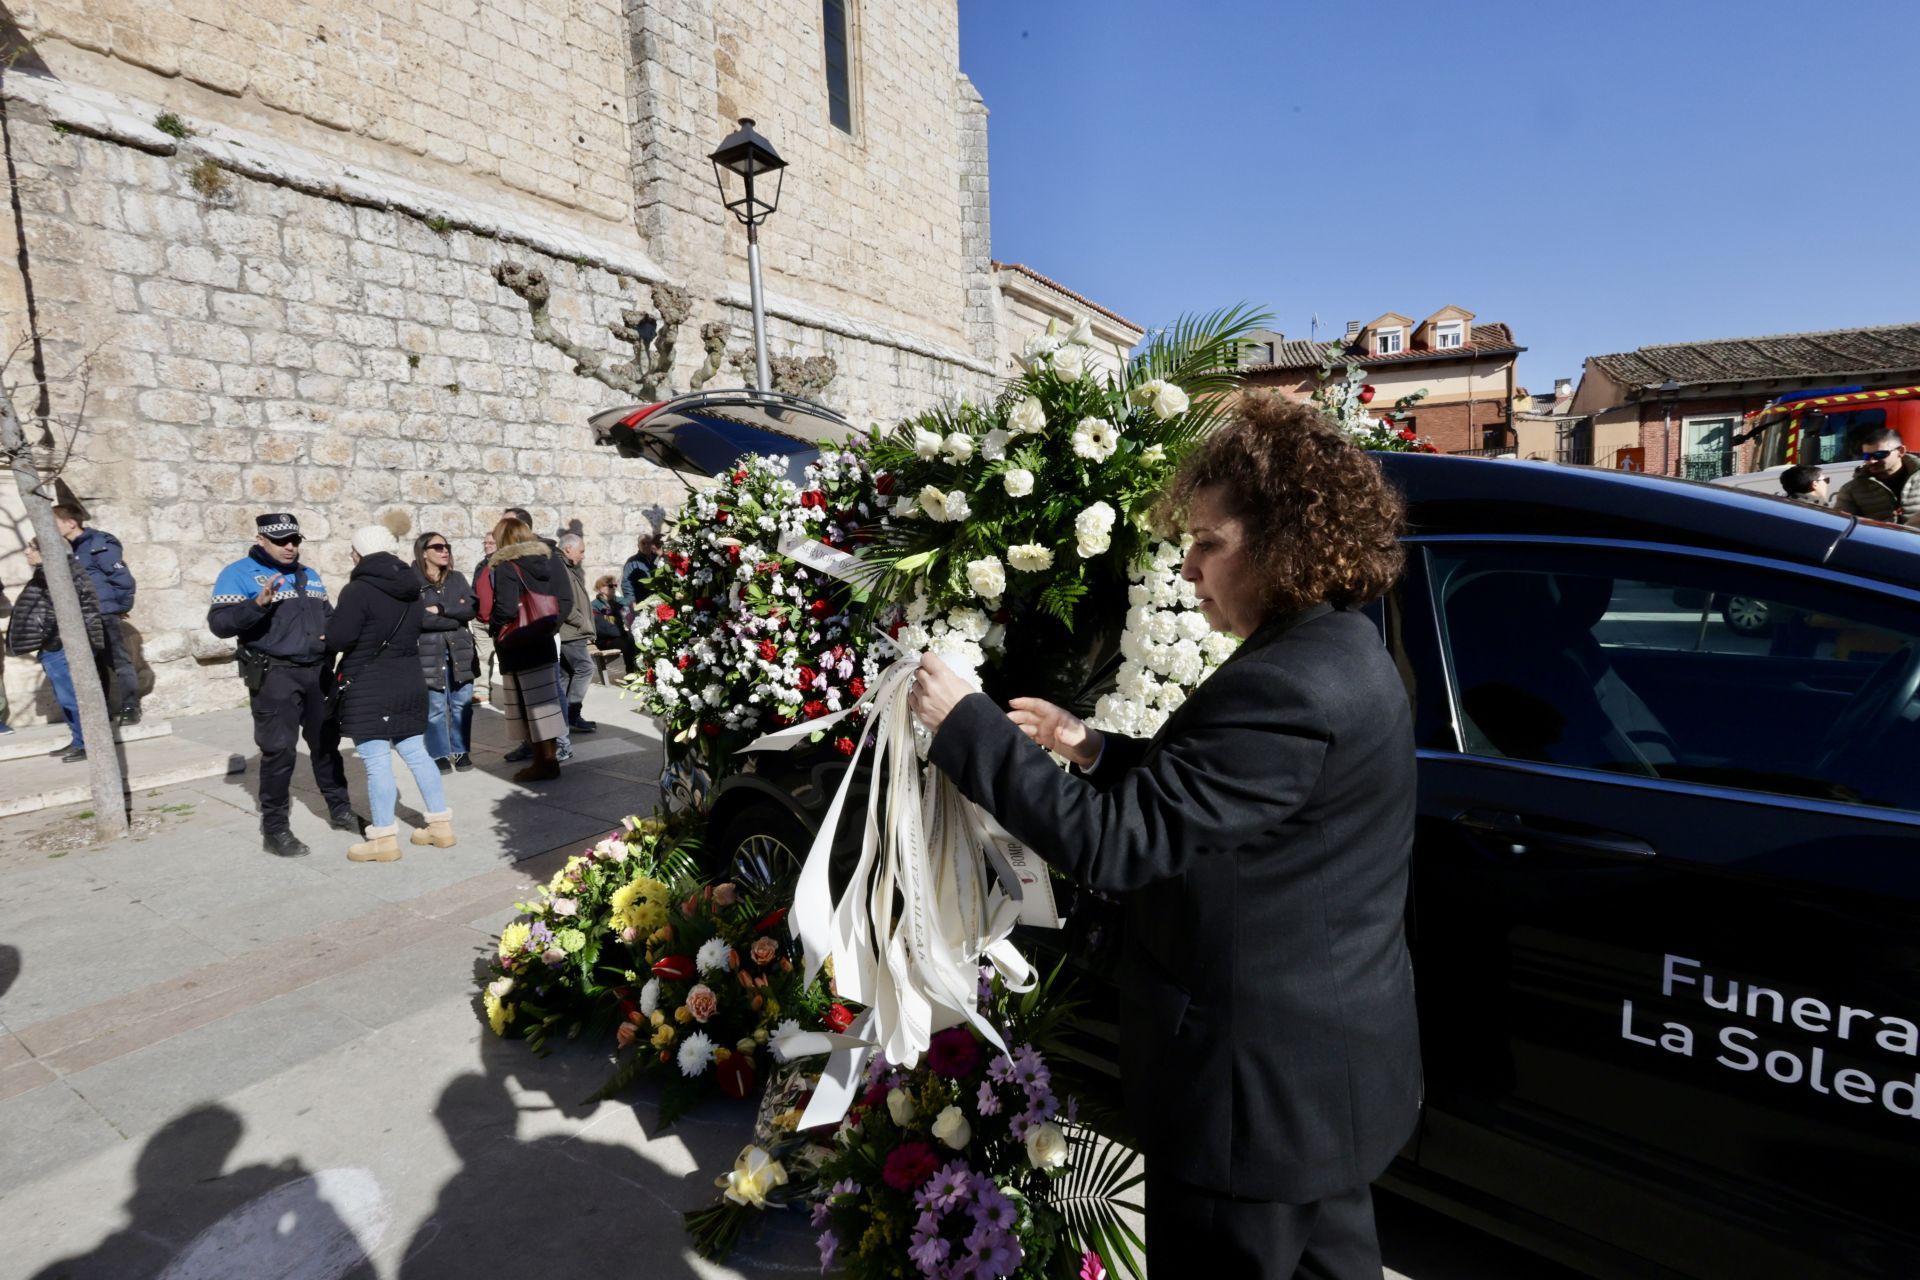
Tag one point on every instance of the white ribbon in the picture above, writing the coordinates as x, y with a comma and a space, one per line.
920, 913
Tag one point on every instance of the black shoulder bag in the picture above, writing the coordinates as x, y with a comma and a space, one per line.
338, 680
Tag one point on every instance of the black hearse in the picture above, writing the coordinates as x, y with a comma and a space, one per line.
1666, 897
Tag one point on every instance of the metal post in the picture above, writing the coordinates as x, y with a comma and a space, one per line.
765, 383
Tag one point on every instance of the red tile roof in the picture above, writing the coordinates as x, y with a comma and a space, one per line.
1061, 289
1489, 339
1827, 353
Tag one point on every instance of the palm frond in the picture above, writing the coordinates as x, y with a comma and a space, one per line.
1202, 355
1090, 1198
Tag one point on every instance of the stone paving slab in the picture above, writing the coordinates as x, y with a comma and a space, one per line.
46, 783
42, 739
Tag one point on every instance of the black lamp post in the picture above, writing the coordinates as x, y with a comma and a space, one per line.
1669, 397
744, 157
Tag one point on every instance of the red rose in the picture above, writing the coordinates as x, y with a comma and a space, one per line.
711, 729
665, 612
807, 676
843, 745
838, 1017
813, 498
684, 661
703, 603
740, 476
735, 1075
856, 686
769, 650
1407, 433
820, 608
767, 566
883, 484
733, 556
1367, 393
769, 920
647, 676
813, 710
673, 968
723, 516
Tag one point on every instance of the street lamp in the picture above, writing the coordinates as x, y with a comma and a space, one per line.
1669, 397
737, 162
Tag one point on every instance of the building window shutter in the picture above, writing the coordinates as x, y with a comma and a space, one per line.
839, 64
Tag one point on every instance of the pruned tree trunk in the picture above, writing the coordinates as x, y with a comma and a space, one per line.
103, 761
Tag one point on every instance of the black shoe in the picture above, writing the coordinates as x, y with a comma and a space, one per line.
73, 755
463, 762
284, 844
129, 716
446, 764
583, 726
519, 753
344, 820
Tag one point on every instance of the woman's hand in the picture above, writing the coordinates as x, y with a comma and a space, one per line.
936, 690
1058, 730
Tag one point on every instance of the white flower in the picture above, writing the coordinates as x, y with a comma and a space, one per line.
1046, 1146
696, 1051
1030, 557
971, 624
787, 1027
993, 446
1095, 439
913, 638
1037, 349
712, 956
1154, 454
1218, 647
1193, 626
1029, 417
951, 1127
926, 444
1163, 628
959, 447
899, 1106
933, 502
904, 509
1081, 335
1097, 518
1018, 482
1070, 363
650, 997
500, 988
1161, 397
987, 577
958, 508
1090, 546
1138, 595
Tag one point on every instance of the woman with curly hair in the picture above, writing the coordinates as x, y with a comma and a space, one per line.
1269, 1050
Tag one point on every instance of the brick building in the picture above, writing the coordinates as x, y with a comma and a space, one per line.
1681, 403
1465, 367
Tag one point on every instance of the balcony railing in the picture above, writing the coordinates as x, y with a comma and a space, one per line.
1502, 451
1706, 466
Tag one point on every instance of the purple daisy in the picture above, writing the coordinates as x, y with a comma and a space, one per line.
1001, 1072
928, 1252
988, 1102
829, 1243
991, 1209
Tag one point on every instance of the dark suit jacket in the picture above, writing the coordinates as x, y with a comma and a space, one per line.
1269, 1048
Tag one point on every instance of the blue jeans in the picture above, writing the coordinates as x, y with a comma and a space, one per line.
377, 755
449, 719
54, 663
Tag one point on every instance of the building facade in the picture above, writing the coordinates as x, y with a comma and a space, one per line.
264, 240
1676, 408
1466, 368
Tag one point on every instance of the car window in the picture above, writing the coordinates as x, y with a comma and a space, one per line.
1684, 669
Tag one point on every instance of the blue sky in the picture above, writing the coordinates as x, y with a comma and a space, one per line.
1599, 176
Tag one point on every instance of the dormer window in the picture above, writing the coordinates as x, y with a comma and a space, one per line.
1449, 334
1389, 342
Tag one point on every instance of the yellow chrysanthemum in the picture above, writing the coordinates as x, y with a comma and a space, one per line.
498, 1014
663, 1036
623, 897
513, 938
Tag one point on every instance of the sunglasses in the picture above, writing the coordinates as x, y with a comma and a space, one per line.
438, 546
1876, 455
291, 540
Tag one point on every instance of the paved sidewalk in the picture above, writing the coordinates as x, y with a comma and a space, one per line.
219, 1064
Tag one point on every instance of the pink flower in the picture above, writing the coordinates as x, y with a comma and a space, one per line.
908, 1165
763, 951
953, 1053
725, 895
1091, 1267
702, 1003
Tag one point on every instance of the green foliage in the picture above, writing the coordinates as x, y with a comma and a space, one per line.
439, 224
172, 125
1092, 1195
413, 359
209, 179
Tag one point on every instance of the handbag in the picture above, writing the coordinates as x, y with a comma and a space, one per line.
538, 616
336, 686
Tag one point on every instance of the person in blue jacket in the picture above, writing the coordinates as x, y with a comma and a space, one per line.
278, 610
100, 555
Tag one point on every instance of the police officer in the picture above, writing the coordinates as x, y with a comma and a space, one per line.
278, 609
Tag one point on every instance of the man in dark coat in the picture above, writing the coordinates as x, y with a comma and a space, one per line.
36, 632
1269, 1044
278, 609
576, 634
99, 553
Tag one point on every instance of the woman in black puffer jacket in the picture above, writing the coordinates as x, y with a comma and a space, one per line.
376, 631
446, 651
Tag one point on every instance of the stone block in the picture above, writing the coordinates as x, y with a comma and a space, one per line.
364, 330
320, 486
337, 359
211, 482
164, 297
174, 406
321, 388
279, 448
187, 374
248, 310
330, 450
318, 249
173, 219
309, 321
385, 455
385, 300
282, 350
220, 343
271, 484
251, 380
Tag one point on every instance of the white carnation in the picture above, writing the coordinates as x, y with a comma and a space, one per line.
712, 956
1018, 482
970, 624
1095, 439
1163, 628
959, 447
987, 577
1029, 417
993, 446
913, 638
1193, 626
1030, 557
1097, 518
958, 508
1037, 349
1091, 546
649, 997
1218, 647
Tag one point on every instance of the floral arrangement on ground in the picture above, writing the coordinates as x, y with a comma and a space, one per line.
969, 1164
1344, 395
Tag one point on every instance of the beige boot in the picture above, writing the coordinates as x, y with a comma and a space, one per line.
438, 832
381, 845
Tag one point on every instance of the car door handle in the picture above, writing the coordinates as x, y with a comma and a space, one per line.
1512, 829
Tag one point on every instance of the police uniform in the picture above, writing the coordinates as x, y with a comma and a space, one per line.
283, 653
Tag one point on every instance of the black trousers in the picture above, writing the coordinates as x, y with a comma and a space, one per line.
1195, 1232
289, 707
125, 696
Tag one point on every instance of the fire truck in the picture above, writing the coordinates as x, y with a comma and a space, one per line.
1821, 428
